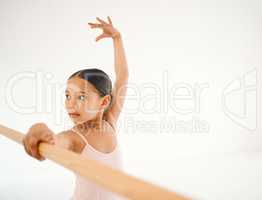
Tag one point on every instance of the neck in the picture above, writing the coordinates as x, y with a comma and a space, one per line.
93, 124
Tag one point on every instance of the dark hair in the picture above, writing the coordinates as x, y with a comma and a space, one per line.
98, 78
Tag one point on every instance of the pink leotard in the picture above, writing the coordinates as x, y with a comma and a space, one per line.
87, 190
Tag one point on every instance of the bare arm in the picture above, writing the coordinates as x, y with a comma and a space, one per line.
39, 132
120, 85
121, 69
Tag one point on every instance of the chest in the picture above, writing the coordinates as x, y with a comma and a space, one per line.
103, 141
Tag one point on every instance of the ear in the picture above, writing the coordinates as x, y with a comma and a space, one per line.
106, 101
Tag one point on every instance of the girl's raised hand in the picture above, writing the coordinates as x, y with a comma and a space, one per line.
107, 27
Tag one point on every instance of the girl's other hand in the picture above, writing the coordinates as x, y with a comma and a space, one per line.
107, 27
37, 133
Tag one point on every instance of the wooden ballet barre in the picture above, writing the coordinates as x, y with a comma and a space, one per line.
103, 175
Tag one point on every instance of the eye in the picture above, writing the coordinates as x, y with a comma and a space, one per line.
82, 97
67, 96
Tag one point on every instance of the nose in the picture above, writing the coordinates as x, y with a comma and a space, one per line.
70, 105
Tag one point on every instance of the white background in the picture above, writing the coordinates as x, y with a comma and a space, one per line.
213, 45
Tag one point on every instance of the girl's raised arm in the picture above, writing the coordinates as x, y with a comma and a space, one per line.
121, 69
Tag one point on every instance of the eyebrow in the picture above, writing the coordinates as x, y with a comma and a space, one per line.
79, 92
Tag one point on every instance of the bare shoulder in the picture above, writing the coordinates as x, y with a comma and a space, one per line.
69, 140
77, 143
104, 140
65, 140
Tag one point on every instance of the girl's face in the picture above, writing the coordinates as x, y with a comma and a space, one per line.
82, 100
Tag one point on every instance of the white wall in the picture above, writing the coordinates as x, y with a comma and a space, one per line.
195, 69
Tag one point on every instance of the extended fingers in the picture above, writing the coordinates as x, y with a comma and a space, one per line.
109, 19
101, 21
93, 25
96, 25
101, 36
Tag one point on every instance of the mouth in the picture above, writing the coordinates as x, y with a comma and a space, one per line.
74, 114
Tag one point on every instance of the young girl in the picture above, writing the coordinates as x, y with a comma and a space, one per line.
94, 107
